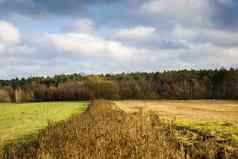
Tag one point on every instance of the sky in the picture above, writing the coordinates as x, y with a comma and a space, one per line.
47, 37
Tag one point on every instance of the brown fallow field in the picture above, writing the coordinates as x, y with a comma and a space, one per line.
192, 110
195, 120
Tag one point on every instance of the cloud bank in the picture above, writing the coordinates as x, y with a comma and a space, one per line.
53, 37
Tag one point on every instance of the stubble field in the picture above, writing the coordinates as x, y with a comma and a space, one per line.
214, 118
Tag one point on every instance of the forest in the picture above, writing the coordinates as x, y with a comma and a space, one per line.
183, 84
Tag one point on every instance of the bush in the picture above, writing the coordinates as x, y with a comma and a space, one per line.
5, 96
102, 89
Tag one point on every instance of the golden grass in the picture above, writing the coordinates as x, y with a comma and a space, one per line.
193, 110
194, 118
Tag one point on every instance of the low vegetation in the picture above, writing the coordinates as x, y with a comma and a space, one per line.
22, 122
201, 125
105, 131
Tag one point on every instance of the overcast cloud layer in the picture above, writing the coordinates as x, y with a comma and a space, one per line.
42, 37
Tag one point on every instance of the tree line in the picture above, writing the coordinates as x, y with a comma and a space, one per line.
182, 84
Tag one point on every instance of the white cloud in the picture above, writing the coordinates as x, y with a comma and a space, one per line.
9, 34
175, 7
190, 12
221, 38
183, 33
208, 56
85, 46
2, 48
136, 33
77, 43
89, 45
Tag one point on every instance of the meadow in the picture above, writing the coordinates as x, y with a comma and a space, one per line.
22, 122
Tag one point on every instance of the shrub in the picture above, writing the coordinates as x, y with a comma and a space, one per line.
103, 89
4, 95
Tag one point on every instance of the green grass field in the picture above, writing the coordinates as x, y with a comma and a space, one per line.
23, 121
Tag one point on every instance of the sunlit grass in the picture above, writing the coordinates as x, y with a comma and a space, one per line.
223, 131
19, 121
